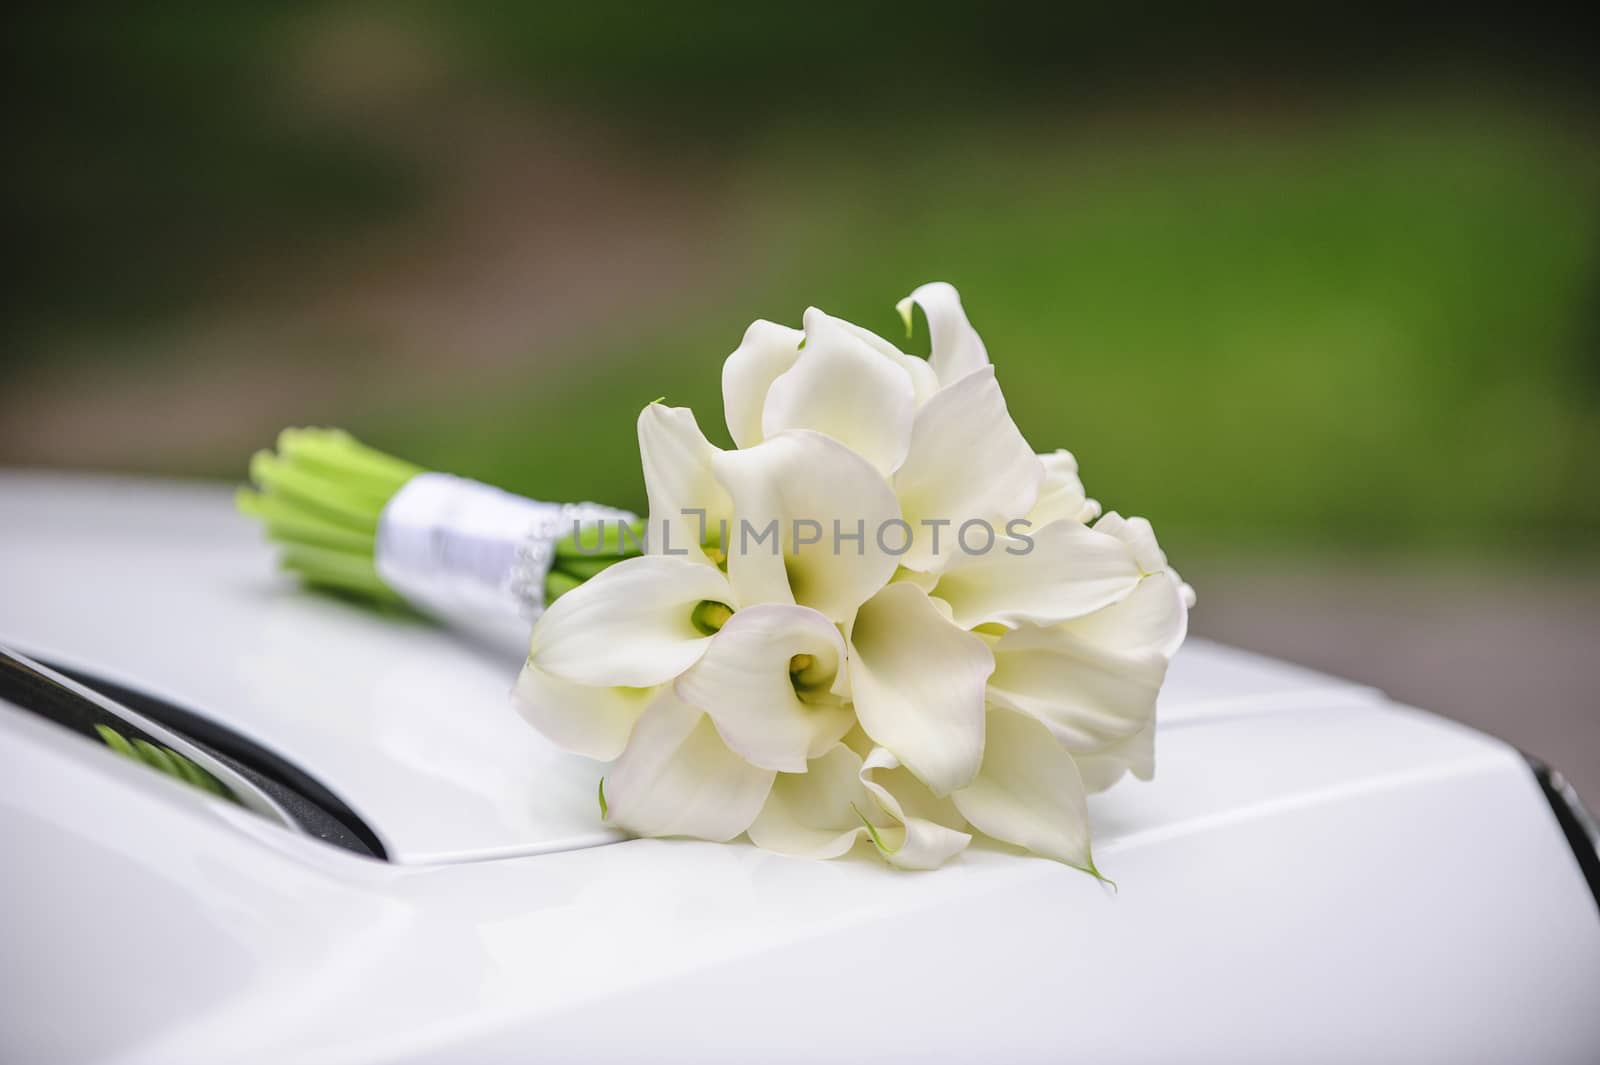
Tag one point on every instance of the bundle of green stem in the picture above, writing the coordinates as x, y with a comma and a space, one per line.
319, 498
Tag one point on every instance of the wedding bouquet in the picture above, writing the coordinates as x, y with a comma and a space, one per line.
880, 616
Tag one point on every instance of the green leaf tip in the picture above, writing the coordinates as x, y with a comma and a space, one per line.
605, 811
1094, 871
872, 830
907, 308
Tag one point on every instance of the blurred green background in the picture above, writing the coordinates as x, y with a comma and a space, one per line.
1315, 292
1274, 292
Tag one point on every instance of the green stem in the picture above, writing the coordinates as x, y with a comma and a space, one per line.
349, 503
583, 568
288, 523
335, 452
319, 498
557, 584
612, 540
337, 570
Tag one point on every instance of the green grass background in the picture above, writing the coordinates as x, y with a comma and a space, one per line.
1376, 333
1336, 288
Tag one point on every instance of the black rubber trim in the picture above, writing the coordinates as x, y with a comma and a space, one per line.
1576, 822
313, 806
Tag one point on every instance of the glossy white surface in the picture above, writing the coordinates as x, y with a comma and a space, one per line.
1314, 875
162, 587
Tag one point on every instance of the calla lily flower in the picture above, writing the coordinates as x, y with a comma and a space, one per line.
844, 798
805, 486
967, 462
1029, 792
1062, 495
1068, 571
676, 777
647, 605
917, 680
773, 682
880, 619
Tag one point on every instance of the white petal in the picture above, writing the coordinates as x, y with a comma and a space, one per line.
816, 814
678, 479
743, 683
1088, 696
807, 484
917, 681
925, 581
1154, 617
1104, 768
923, 380
1070, 570
843, 387
957, 350
912, 842
1062, 464
593, 722
767, 351
967, 462
1029, 792
1062, 496
629, 625
1138, 535
677, 778
1185, 589
824, 811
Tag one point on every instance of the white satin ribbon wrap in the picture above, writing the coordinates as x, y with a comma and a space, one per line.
474, 555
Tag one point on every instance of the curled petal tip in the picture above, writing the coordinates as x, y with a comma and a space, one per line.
906, 307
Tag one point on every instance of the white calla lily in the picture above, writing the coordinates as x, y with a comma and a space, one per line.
967, 463
1153, 618
1185, 589
1062, 496
917, 681
817, 813
844, 387
924, 382
1140, 538
686, 500
911, 841
794, 658
677, 778
1093, 680
767, 351
1069, 571
843, 797
1136, 755
592, 721
803, 487
957, 350
1088, 695
1029, 792
632, 625
767, 681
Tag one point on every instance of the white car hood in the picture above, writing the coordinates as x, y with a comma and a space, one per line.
162, 587
1314, 874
